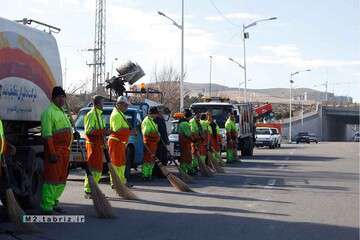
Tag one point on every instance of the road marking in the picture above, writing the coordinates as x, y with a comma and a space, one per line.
271, 183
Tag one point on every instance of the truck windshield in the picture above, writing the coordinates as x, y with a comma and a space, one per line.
79, 123
262, 131
274, 131
219, 113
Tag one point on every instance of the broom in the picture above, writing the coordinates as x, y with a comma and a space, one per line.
215, 164
121, 189
186, 177
15, 212
204, 170
102, 206
174, 181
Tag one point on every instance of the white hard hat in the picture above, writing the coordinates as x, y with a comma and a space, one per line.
122, 99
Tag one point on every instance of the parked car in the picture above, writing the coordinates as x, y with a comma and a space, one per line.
134, 148
313, 138
265, 137
306, 137
278, 137
356, 137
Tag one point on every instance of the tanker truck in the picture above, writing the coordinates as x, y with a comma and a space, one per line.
29, 68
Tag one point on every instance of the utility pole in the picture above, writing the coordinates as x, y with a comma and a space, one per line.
210, 76
99, 45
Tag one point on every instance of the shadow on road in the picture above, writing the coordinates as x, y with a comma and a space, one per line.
141, 224
284, 157
202, 208
208, 195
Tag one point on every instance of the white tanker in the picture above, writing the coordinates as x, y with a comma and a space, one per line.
29, 69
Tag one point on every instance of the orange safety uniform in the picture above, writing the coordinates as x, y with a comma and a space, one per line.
57, 134
119, 137
94, 125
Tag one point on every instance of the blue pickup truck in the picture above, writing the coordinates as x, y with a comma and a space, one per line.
135, 147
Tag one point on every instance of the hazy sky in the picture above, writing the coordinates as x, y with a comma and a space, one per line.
323, 35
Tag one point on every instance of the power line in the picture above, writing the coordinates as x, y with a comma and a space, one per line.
223, 15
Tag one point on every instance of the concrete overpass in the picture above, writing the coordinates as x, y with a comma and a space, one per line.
329, 122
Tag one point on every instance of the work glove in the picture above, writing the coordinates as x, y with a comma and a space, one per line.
53, 158
76, 135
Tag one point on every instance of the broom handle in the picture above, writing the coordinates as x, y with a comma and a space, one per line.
105, 149
157, 160
87, 170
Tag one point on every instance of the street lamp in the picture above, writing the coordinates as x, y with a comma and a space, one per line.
181, 27
210, 73
245, 36
112, 66
240, 83
291, 83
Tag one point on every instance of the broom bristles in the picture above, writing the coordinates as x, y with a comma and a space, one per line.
102, 206
174, 181
204, 170
215, 164
177, 183
184, 176
121, 189
16, 214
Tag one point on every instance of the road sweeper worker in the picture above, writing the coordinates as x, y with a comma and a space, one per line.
151, 137
119, 137
5, 147
215, 138
185, 139
204, 146
196, 135
57, 134
231, 138
94, 124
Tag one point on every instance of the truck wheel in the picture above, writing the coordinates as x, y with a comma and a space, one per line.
33, 199
130, 159
247, 149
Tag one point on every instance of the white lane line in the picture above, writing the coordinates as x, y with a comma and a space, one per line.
271, 183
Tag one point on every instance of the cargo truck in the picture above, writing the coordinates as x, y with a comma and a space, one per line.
220, 109
29, 69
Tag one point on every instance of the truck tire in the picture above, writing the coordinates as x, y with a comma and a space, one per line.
247, 148
33, 199
130, 159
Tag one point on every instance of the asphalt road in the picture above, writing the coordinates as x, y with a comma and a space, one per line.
296, 192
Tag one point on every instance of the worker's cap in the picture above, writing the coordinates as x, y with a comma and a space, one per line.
58, 91
122, 99
187, 113
97, 98
203, 116
196, 112
154, 110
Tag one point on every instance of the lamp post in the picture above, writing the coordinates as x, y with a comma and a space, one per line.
112, 66
290, 100
210, 73
240, 83
181, 27
245, 35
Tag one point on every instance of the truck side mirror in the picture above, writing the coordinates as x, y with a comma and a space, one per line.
237, 118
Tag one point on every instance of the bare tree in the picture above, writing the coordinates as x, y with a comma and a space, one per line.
167, 80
